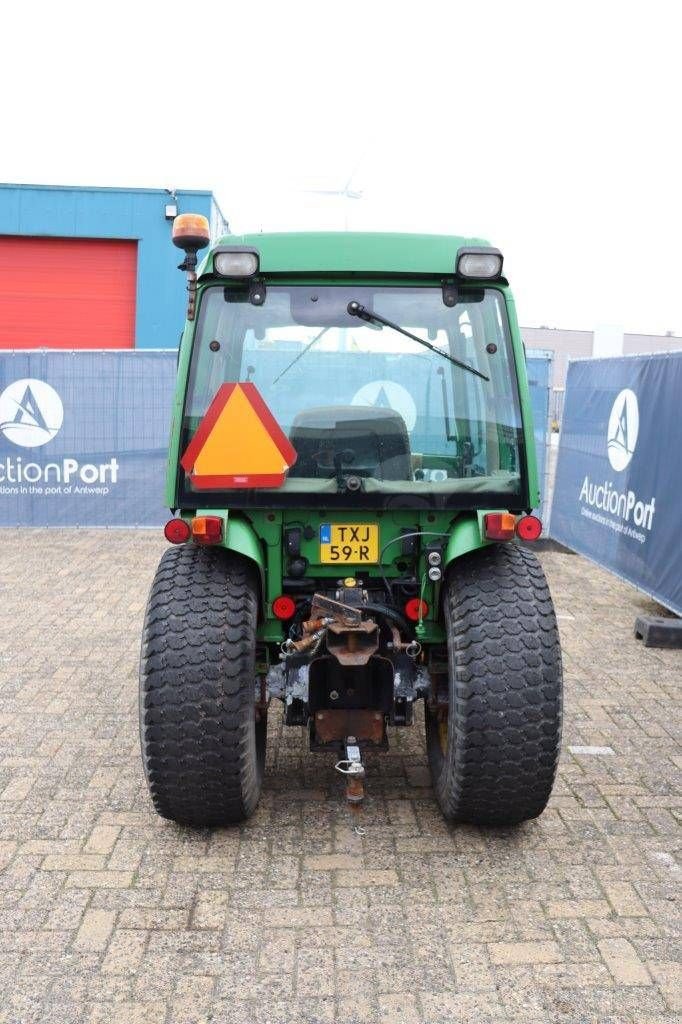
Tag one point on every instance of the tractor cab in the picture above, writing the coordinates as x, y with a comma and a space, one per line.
403, 388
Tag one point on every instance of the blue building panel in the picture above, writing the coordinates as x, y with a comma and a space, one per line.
139, 214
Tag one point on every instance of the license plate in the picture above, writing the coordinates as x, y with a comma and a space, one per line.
343, 543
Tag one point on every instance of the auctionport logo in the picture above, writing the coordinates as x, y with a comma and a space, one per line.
622, 430
626, 512
31, 413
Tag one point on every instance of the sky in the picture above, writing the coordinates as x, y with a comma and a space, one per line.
550, 128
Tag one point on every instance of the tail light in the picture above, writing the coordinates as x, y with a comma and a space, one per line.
283, 607
500, 525
207, 529
529, 528
416, 609
176, 531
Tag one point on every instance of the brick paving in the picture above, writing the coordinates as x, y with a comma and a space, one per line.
309, 914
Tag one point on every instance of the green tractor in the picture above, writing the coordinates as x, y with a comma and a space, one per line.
352, 475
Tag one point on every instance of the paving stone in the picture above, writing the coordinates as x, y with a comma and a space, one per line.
102, 839
366, 879
7, 851
95, 929
621, 959
446, 1007
99, 880
578, 908
125, 951
17, 790
108, 914
624, 899
154, 918
399, 1009
73, 862
669, 978
524, 952
330, 862
300, 917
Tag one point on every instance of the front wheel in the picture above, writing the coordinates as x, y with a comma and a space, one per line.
494, 733
203, 750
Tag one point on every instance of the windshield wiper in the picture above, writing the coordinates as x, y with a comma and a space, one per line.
301, 354
355, 309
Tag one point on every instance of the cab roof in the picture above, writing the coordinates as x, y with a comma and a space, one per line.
320, 252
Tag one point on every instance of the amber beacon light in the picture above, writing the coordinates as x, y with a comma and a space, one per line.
191, 232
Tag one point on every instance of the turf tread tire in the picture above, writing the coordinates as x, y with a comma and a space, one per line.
505, 690
202, 751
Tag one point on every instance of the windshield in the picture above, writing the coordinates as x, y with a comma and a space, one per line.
366, 408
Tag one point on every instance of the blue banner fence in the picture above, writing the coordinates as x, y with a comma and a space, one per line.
618, 488
84, 435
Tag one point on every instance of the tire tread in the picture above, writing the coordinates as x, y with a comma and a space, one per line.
505, 712
197, 679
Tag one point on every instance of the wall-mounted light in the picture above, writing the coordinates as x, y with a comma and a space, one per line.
171, 211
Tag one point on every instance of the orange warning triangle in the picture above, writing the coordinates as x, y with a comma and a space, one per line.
238, 443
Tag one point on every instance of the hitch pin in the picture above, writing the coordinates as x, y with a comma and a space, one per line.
352, 767
289, 646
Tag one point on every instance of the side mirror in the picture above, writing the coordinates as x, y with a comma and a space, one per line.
191, 232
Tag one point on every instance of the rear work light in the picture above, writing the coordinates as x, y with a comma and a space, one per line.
176, 531
529, 528
283, 607
416, 609
207, 529
500, 525
482, 262
236, 262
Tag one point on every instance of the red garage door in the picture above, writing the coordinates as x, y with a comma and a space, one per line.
67, 292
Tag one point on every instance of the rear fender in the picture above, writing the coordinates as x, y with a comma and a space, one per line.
466, 535
240, 536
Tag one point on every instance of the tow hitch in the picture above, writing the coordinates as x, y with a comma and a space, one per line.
352, 767
350, 671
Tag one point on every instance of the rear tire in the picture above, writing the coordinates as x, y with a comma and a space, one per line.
493, 758
202, 749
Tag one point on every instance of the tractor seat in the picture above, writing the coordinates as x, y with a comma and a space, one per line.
368, 441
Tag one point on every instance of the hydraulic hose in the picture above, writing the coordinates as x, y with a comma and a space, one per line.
388, 613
